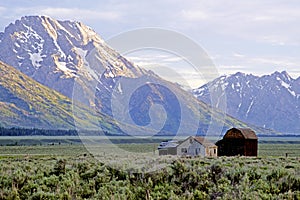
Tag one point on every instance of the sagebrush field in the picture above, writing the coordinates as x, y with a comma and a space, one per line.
70, 172
82, 177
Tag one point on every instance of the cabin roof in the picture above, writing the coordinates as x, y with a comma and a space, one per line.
173, 144
203, 141
168, 144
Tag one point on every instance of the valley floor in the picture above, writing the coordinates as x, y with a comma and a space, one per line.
73, 145
57, 169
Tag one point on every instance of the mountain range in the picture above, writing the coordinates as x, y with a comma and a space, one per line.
68, 77
269, 101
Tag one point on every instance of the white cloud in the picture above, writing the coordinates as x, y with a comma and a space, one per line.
238, 55
271, 22
194, 15
274, 61
69, 13
150, 57
2, 10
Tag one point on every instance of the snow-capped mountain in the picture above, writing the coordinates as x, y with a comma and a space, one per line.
270, 101
53, 52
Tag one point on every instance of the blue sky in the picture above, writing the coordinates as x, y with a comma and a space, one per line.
258, 37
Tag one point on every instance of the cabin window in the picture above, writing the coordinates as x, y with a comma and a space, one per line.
215, 151
184, 150
191, 140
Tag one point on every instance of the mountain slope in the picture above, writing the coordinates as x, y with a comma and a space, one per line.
270, 101
26, 103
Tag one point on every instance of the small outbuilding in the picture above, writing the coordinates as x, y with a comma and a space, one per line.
191, 146
238, 141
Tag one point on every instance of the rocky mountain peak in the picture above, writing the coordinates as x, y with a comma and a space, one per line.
283, 76
55, 52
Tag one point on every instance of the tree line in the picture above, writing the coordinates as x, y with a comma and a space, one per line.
34, 131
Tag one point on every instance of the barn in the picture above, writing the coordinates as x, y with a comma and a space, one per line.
238, 141
191, 146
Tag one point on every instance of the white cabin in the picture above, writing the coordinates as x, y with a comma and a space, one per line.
192, 146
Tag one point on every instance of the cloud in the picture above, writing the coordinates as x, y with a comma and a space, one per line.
272, 22
194, 15
173, 59
2, 10
81, 13
272, 61
154, 57
238, 55
70, 13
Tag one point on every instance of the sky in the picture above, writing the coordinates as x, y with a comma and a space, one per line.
257, 36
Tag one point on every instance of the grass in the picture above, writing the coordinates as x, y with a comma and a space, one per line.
292, 150
264, 150
57, 150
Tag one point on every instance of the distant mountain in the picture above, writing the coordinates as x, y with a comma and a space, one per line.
270, 101
28, 104
72, 59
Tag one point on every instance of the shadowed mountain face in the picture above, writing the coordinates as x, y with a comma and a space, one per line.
72, 59
271, 101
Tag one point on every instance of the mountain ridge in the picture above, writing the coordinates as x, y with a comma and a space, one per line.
270, 101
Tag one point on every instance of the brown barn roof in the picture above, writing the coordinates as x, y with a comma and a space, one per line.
247, 133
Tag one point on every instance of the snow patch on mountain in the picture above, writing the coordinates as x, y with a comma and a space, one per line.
36, 59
